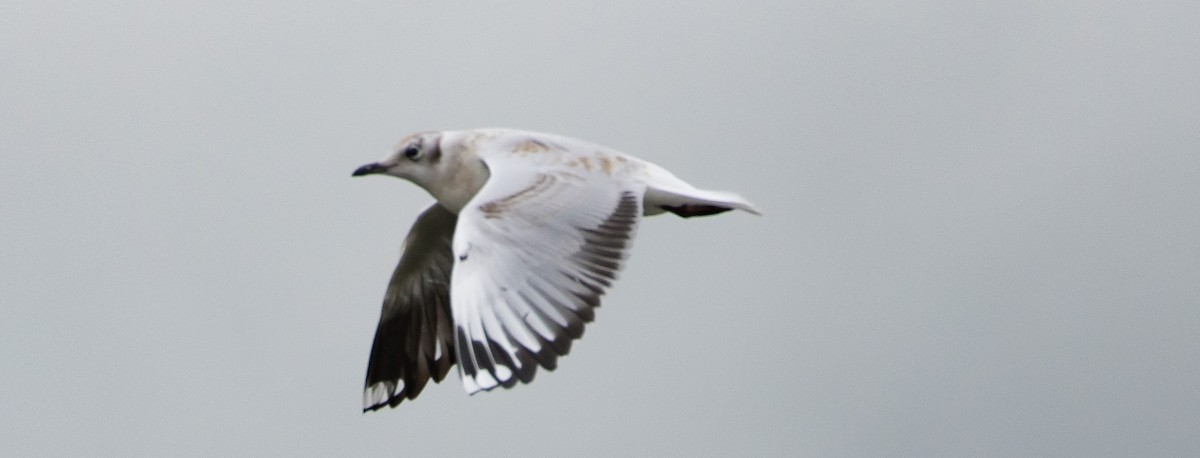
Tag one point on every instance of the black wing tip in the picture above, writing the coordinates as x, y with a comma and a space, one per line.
394, 390
389, 404
522, 373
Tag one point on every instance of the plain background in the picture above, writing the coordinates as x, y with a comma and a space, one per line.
980, 231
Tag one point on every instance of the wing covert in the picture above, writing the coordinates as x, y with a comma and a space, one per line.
535, 249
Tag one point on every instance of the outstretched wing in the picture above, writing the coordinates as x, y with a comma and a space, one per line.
534, 250
414, 334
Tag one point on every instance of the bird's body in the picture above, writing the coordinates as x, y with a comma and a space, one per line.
501, 274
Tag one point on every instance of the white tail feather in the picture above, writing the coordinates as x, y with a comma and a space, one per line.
665, 191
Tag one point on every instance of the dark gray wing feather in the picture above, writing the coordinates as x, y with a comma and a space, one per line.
413, 342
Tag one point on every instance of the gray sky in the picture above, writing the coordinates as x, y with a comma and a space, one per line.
980, 235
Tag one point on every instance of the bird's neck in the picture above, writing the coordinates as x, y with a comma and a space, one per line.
459, 178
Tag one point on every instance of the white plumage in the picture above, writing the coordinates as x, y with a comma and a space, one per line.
528, 232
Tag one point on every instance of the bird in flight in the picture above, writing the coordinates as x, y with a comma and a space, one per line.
503, 271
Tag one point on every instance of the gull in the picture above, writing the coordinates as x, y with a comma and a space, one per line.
503, 271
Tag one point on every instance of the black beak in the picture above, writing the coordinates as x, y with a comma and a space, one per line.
368, 169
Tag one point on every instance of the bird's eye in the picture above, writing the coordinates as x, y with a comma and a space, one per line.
412, 151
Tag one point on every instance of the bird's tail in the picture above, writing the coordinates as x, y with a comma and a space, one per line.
667, 193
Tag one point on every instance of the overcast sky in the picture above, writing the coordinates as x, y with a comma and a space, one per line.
980, 233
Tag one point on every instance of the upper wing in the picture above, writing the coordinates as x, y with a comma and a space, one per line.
413, 337
535, 249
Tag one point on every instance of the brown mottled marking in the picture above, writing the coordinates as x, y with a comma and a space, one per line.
587, 165
496, 208
571, 176
531, 146
606, 164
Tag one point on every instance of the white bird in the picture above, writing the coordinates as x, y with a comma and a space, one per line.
501, 274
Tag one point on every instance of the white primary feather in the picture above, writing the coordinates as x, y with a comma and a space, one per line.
533, 254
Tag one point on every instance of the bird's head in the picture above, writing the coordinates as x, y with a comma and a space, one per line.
413, 159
